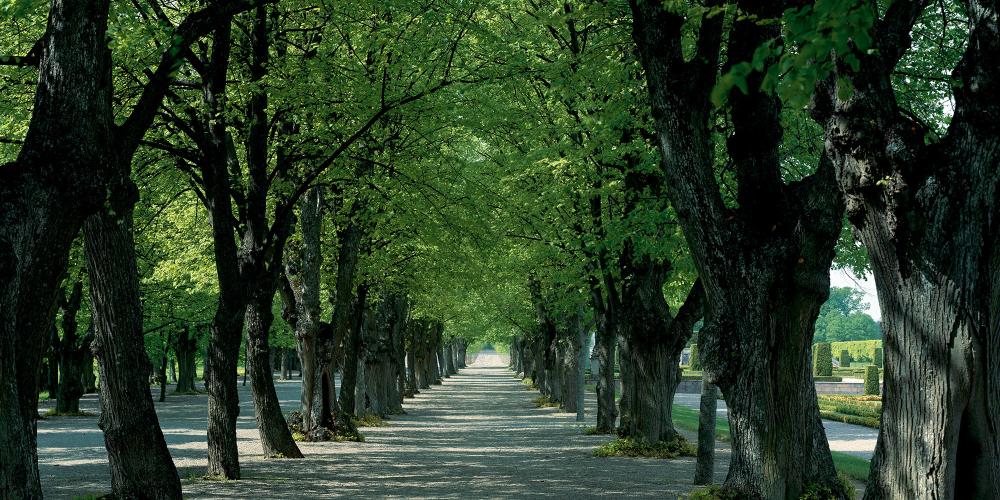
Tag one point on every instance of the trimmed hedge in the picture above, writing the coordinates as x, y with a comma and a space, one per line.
872, 386
823, 360
878, 357
819, 378
857, 410
694, 362
845, 359
860, 350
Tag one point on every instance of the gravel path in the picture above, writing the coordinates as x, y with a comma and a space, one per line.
476, 436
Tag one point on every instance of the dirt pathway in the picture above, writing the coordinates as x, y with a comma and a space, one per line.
476, 436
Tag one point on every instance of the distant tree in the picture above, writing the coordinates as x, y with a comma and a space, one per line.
843, 317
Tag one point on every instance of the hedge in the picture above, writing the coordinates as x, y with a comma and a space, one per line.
872, 386
694, 362
878, 357
823, 360
860, 350
845, 359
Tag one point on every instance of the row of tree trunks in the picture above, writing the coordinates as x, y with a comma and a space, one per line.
45, 203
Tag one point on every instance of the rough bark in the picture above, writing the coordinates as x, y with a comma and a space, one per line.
653, 341
705, 466
186, 350
43, 202
353, 352
140, 463
411, 331
72, 352
607, 411
275, 437
925, 209
764, 266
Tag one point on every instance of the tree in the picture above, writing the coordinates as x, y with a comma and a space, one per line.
780, 237
919, 200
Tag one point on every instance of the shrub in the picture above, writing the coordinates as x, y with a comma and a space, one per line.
872, 387
819, 378
625, 447
845, 359
878, 357
694, 363
823, 361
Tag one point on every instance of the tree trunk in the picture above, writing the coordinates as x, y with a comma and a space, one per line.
582, 340
569, 367
607, 412
162, 372
307, 324
286, 372
186, 350
449, 357
89, 378
353, 348
275, 437
764, 266
52, 367
43, 202
141, 465
705, 467
411, 331
653, 342
221, 383
73, 360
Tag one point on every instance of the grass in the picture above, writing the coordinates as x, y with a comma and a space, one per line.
370, 420
625, 447
545, 402
857, 410
854, 467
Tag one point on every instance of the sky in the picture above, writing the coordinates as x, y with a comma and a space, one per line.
845, 278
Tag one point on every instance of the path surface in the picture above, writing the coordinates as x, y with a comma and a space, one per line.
476, 436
